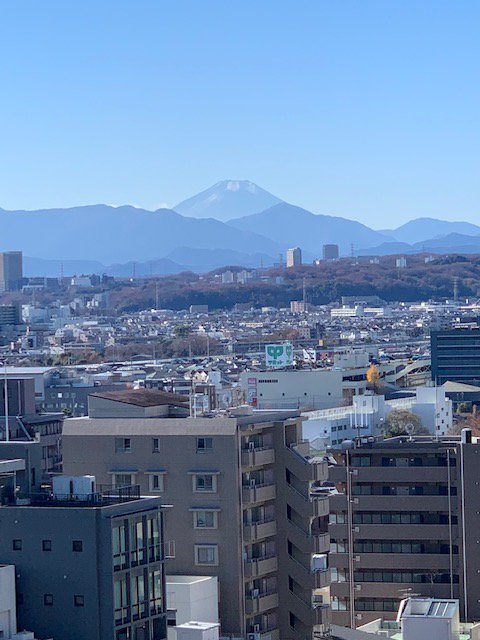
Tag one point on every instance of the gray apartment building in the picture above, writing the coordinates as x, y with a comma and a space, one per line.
245, 506
11, 270
87, 565
405, 521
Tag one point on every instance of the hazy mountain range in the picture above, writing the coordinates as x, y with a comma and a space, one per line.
235, 222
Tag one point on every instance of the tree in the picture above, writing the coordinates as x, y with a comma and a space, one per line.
401, 422
373, 378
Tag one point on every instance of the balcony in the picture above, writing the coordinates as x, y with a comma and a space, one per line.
307, 577
258, 457
255, 567
252, 494
261, 603
403, 474
303, 466
307, 542
307, 506
310, 613
259, 530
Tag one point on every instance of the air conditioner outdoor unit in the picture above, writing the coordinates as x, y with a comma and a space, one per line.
356, 529
358, 616
358, 587
256, 628
357, 558
253, 636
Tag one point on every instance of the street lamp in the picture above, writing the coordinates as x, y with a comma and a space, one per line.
5, 392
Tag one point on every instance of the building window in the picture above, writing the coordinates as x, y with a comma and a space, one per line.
77, 545
156, 482
205, 519
206, 554
206, 482
155, 445
123, 445
78, 601
122, 479
46, 545
17, 545
204, 445
48, 599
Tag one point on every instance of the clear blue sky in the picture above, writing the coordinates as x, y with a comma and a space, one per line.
365, 109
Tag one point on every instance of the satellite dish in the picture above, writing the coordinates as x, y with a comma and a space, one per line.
410, 428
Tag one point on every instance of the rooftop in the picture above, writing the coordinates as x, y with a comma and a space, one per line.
143, 397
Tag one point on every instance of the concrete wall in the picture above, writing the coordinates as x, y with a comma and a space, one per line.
313, 389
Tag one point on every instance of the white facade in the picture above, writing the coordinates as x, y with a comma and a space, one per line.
367, 414
8, 612
294, 389
294, 257
347, 312
192, 598
198, 631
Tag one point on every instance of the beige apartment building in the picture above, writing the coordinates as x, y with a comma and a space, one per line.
247, 503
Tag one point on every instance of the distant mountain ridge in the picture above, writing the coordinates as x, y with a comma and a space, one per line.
234, 222
291, 226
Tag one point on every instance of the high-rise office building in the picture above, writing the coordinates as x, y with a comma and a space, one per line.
11, 270
404, 522
330, 252
245, 507
294, 257
455, 355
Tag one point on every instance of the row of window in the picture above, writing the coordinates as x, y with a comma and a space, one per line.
124, 445
366, 546
393, 518
364, 604
403, 547
78, 600
403, 490
201, 482
17, 545
404, 576
367, 461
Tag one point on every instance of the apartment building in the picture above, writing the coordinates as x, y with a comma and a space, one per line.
246, 502
25, 424
88, 563
294, 257
404, 522
11, 270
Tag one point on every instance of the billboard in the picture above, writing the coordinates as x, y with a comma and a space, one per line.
278, 356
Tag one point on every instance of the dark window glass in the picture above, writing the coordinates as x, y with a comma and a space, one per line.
78, 601
17, 545
77, 545
48, 599
46, 545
